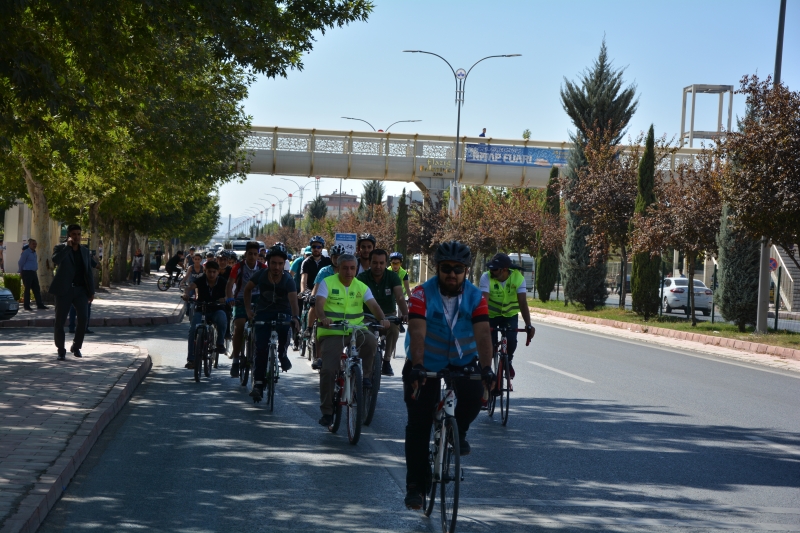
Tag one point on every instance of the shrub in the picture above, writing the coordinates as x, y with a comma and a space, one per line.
13, 282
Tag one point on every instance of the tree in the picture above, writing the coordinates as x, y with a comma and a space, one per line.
645, 275
526, 134
373, 196
287, 220
762, 188
600, 102
737, 278
401, 228
547, 262
685, 216
317, 209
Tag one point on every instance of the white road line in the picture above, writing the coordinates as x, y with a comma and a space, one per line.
781, 447
573, 376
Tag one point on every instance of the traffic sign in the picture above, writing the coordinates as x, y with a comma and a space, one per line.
773, 264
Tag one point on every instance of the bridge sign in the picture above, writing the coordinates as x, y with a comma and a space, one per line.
773, 264
348, 240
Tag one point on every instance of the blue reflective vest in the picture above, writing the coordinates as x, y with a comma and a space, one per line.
440, 340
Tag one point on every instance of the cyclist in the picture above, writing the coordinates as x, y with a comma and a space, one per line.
209, 257
262, 256
310, 269
195, 270
388, 292
448, 327
210, 288
366, 243
173, 266
504, 288
324, 272
189, 259
339, 297
278, 295
241, 273
396, 260
297, 264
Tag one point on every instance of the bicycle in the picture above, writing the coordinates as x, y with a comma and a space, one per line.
273, 369
165, 282
371, 395
445, 452
205, 342
349, 384
248, 352
307, 343
398, 353
501, 370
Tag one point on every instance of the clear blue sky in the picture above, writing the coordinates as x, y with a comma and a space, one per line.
360, 70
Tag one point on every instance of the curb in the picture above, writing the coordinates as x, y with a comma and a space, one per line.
175, 318
48, 488
735, 344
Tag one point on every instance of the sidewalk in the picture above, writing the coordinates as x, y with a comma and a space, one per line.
122, 305
51, 414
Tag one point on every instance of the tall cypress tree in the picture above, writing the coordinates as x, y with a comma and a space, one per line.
737, 289
547, 263
401, 228
597, 101
645, 277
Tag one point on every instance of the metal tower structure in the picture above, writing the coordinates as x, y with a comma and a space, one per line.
694, 90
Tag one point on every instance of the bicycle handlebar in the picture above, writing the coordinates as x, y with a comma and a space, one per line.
454, 374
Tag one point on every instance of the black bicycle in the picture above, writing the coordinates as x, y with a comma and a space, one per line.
501, 368
371, 395
205, 341
270, 378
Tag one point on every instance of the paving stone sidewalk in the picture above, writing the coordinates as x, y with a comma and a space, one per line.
774, 361
51, 414
124, 304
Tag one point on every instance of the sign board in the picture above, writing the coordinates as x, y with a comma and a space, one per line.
348, 240
520, 156
434, 167
773, 264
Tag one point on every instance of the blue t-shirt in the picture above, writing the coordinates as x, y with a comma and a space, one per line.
323, 273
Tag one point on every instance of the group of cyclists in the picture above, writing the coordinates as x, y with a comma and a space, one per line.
450, 323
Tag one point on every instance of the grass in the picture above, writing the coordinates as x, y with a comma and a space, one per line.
785, 339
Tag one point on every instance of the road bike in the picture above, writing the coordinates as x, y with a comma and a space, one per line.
445, 453
371, 395
248, 353
165, 282
500, 366
307, 343
205, 341
273, 371
348, 389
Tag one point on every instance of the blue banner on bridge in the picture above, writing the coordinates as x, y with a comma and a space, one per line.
520, 156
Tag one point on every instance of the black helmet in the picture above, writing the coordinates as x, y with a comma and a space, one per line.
366, 237
277, 249
316, 238
453, 251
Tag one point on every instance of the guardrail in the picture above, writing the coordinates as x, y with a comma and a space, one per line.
789, 298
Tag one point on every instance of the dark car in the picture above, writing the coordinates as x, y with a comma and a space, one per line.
8, 305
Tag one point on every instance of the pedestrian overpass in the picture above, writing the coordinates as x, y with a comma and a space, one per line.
426, 160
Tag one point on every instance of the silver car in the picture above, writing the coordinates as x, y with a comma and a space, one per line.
8, 305
676, 295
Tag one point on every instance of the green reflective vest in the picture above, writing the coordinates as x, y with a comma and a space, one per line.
503, 301
402, 273
343, 303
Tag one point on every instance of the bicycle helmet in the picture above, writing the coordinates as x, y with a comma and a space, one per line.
317, 238
338, 249
453, 251
366, 237
278, 250
307, 250
395, 255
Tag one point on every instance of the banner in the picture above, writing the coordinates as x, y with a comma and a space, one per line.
348, 240
519, 156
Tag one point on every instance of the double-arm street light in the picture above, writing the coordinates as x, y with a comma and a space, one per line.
373, 127
301, 189
460, 76
280, 205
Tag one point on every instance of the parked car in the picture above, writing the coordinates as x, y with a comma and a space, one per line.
8, 305
676, 296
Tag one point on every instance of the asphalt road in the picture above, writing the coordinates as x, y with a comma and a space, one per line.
604, 435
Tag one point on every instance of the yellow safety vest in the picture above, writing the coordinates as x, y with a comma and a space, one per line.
503, 300
343, 303
400, 274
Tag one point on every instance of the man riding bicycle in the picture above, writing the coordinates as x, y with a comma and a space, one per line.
210, 288
396, 260
277, 295
241, 273
330, 270
174, 265
311, 267
448, 327
343, 297
365, 244
388, 292
504, 288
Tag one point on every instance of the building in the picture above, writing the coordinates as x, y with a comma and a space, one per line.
348, 202
412, 197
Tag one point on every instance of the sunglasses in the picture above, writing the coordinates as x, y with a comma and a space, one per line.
494, 270
316, 247
447, 269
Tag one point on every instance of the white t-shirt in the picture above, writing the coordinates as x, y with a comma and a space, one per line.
484, 284
322, 290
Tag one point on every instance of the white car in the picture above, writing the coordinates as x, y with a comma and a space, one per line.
676, 296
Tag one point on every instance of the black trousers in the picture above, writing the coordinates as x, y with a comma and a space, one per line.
31, 283
420, 419
511, 336
79, 297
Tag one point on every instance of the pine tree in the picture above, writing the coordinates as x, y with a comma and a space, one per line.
317, 209
645, 275
546, 262
598, 102
737, 276
401, 228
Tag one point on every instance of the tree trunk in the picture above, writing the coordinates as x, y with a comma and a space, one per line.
121, 241
623, 269
94, 235
690, 259
146, 253
107, 229
40, 231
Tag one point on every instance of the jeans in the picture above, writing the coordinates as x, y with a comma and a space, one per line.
218, 318
263, 334
30, 281
72, 313
511, 336
79, 297
137, 277
420, 420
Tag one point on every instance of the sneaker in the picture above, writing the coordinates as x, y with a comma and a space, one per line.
413, 499
235, 368
62, 354
189, 365
463, 445
317, 364
257, 393
367, 383
326, 420
286, 365
386, 369
511, 369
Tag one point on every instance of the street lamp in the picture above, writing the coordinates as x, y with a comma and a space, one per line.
460, 76
301, 189
373, 127
289, 208
280, 205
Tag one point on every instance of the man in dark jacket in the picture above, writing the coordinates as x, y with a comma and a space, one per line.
73, 284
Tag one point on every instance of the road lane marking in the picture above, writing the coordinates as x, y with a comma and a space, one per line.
781, 447
670, 506
573, 376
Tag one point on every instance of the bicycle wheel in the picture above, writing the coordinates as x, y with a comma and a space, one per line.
492, 401
244, 362
451, 476
163, 283
371, 395
269, 380
199, 350
429, 496
337, 412
355, 406
504, 380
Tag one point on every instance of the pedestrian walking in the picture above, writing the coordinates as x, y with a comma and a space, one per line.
158, 254
73, 284
28, 267
137, 265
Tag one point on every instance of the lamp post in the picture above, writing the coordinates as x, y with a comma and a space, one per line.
289, 207
373, 127
301, 189
460, 76
280, 205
